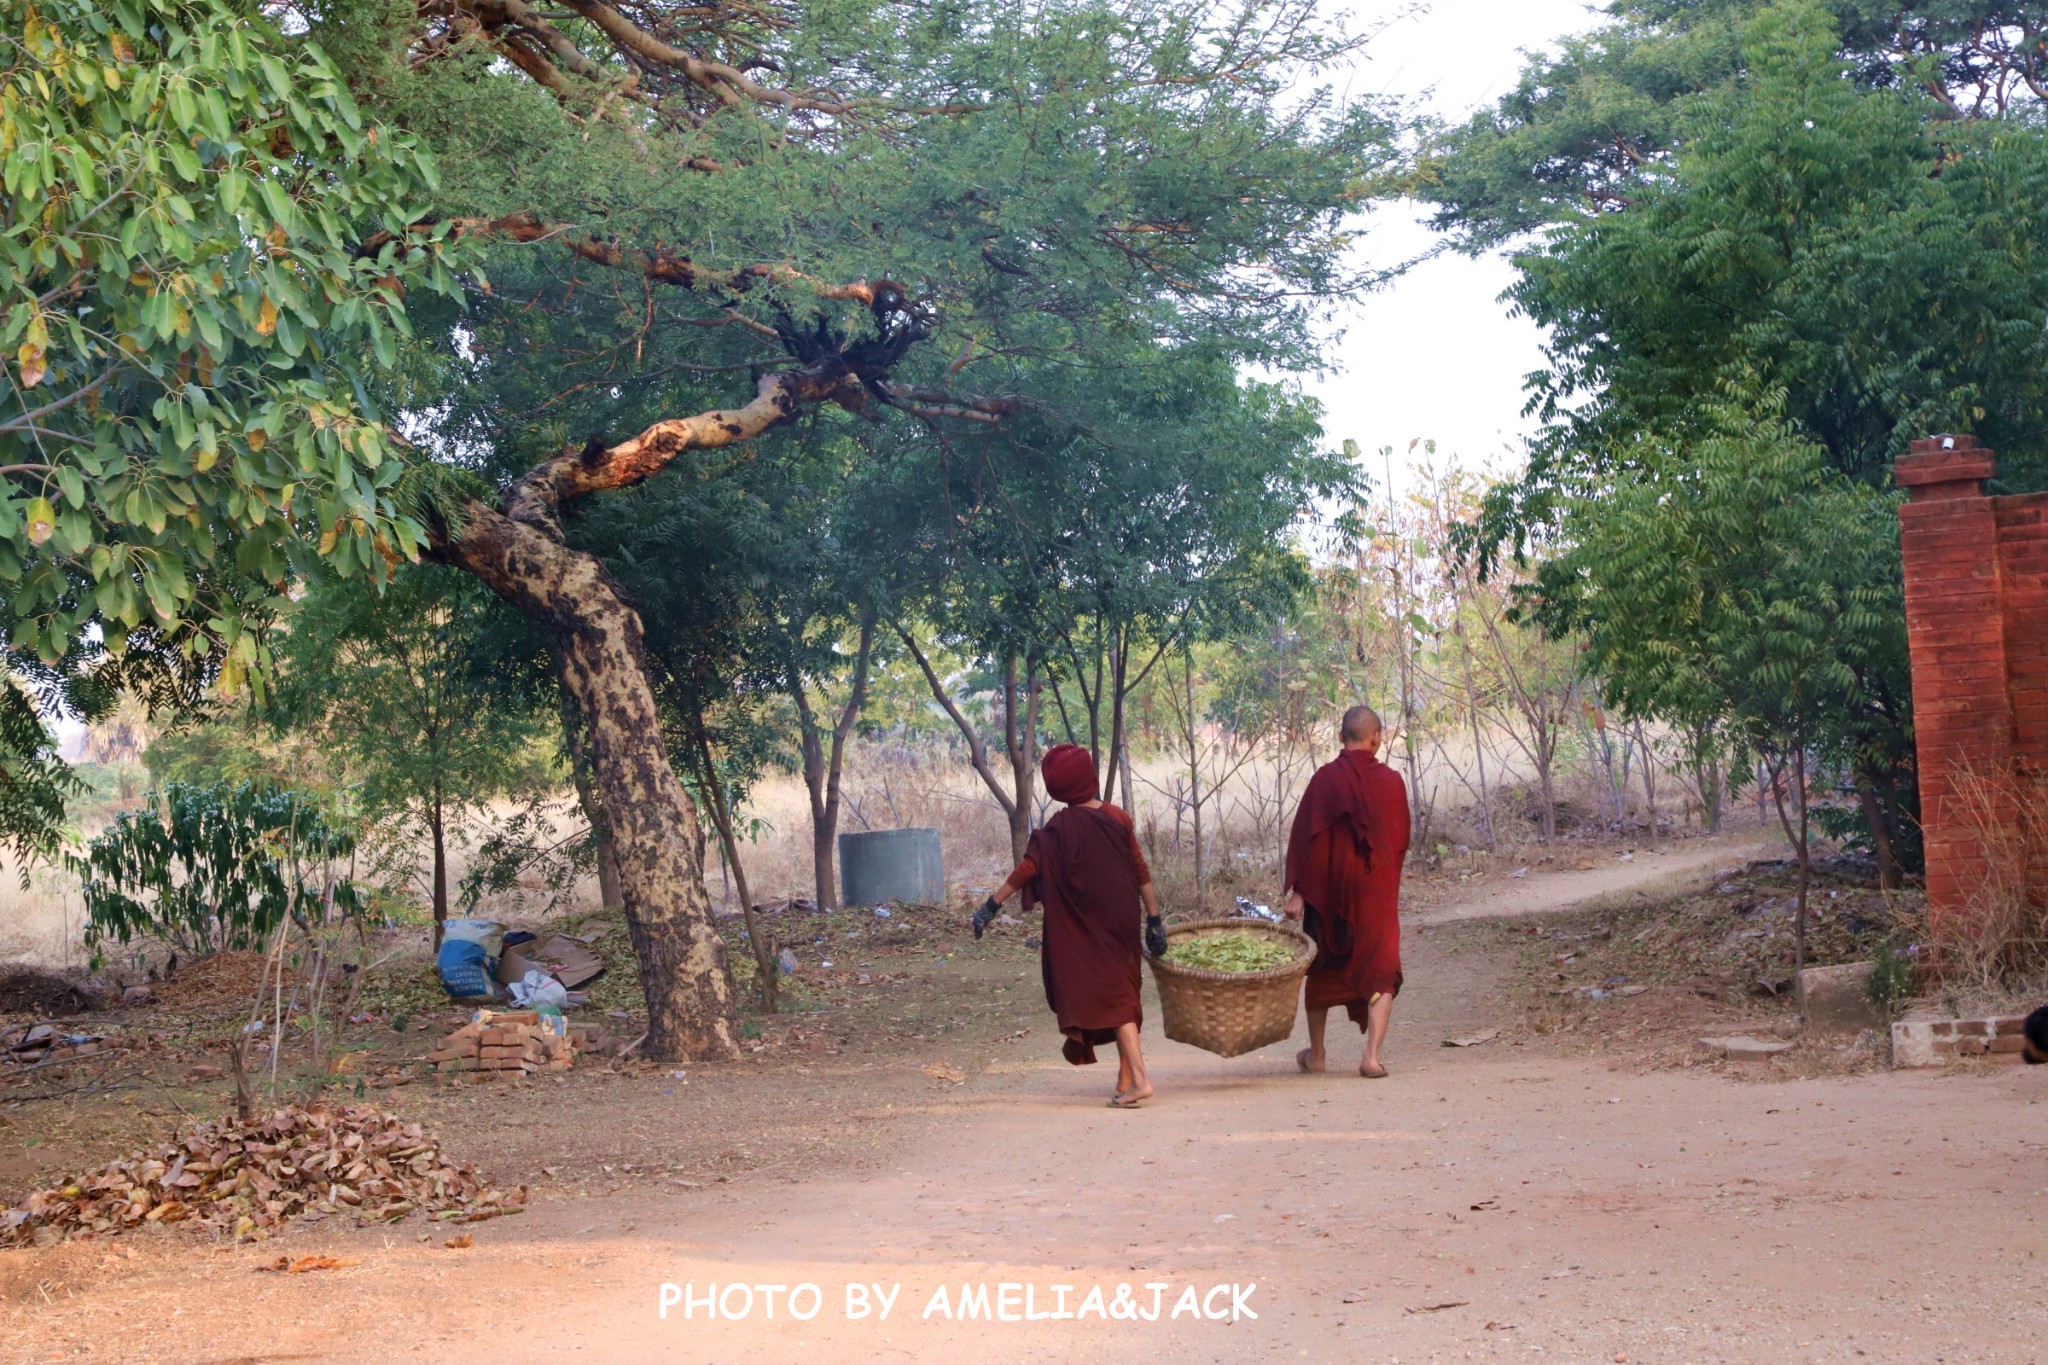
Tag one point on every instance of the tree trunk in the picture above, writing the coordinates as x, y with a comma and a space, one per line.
598, 643
608, 893
1194, 779
1889, 874
1020, 739
1015, 807
1649, 777
1796, 834
437, 818
1548, 810
1114, 767
518, 549
765, 956
823, 768
1472, 713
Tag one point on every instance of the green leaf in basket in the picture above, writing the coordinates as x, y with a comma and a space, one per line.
1233, 951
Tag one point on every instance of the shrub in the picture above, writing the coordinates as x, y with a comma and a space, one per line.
210, 867
1894, 979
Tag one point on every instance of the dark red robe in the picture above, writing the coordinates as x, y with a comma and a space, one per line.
1085, 867
1344, 856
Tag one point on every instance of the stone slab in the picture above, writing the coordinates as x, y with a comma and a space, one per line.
1743, 1048
1836, 1000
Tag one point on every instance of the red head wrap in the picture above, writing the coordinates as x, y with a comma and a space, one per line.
1069, 774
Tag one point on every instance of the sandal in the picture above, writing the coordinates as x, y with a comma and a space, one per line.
1379, 1074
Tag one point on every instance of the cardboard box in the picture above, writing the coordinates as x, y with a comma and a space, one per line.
572, 964
514, 965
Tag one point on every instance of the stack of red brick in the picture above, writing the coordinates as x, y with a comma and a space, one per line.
508, 1040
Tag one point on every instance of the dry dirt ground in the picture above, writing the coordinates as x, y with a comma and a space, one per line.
1526, 1198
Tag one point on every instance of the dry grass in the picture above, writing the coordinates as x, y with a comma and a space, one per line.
1642, 981
2002, 949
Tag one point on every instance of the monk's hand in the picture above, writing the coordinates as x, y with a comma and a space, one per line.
984, 916
1293, 907
1155, 936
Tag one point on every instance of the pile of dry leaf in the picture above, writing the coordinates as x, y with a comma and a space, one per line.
248, 1179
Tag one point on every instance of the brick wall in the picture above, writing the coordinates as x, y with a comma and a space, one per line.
1977, 623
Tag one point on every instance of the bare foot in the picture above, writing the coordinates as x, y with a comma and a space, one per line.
1307, 1060
1131, 1099
1371, 1072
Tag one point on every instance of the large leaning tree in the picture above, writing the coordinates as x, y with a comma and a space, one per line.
678, 232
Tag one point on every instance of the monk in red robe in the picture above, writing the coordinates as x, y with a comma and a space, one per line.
1085, 867
1344, 859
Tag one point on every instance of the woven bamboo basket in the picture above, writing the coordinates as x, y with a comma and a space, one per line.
1229, 1013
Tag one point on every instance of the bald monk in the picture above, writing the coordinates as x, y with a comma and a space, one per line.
1085, 866
1344, 859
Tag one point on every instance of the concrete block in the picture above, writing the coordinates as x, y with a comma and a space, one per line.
1914, 1043
1836, 1000
1743, 1048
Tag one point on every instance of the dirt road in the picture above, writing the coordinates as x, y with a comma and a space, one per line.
1647, 871
1490, 1202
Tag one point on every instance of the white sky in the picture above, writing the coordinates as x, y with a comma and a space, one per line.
1435, 354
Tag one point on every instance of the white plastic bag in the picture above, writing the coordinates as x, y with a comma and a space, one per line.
537, 988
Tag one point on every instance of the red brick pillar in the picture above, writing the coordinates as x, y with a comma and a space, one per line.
1955, 622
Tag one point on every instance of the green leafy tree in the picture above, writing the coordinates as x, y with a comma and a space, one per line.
1737, 581
1598, 121
35, 782
394, 683
184, 198
1824, 230
1127, 510
1881, 265
208, 868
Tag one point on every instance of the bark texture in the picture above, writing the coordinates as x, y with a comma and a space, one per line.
598, 641
518, 549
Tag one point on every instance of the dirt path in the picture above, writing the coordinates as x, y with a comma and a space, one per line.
1490, 1202
1602, 874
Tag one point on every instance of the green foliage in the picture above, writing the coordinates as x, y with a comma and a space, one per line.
35, 782
1894, 979
207, 868
183, 197
1737, 582
428, 711
1231, 952
1885, 269
399, 685
528, 852
1812, 261
1600, 120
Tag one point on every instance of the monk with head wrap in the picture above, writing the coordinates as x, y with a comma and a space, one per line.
1085, 867
1344, 860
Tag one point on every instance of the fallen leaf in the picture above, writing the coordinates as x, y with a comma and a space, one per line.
308, 1263
462, 1243
1438, 1307
1475, 1039
301, 1164
940, 1071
